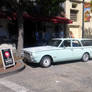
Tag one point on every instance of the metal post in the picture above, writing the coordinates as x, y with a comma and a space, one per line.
83, 19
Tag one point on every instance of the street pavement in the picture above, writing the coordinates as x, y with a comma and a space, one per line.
62, 77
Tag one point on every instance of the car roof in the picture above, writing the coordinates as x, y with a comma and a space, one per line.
71, 39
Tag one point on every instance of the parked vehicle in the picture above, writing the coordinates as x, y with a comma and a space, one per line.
58, 50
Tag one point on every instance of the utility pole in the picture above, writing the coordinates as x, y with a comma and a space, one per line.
83, 19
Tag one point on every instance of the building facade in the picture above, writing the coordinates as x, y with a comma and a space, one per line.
81, 17
73, 10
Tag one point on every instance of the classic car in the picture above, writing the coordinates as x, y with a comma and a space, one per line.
59, 50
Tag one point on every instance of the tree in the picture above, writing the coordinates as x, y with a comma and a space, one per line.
43, 7
49, 7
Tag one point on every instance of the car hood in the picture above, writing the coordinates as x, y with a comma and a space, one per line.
40, 48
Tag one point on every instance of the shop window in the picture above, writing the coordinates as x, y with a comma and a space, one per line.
74, 5
73, 15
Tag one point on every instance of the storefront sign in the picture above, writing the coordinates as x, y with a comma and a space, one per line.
7, 58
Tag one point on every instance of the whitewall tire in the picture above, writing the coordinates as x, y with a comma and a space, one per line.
45, 61
85, 57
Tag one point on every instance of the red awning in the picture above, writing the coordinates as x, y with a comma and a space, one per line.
55, 19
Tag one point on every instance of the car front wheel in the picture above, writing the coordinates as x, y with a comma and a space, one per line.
85, 57
45, 61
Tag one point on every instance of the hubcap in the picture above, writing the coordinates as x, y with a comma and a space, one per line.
46, 62
85, 57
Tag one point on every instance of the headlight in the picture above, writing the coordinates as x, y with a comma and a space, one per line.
27, 54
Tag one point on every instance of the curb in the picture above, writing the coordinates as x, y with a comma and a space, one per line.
5, 74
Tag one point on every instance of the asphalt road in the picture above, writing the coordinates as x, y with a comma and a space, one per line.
64, 77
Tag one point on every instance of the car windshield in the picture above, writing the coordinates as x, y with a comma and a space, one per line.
54, 43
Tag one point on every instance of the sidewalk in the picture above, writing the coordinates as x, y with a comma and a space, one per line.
19, 65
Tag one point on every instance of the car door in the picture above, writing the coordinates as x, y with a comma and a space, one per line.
77, 49
64, 53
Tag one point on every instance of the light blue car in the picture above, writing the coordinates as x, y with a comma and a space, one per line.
59, 50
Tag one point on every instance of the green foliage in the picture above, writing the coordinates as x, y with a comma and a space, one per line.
46, 7
49, 7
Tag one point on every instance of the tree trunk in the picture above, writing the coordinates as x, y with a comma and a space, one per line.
20, 29
20, 39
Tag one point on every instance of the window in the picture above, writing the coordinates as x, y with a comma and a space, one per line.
74, 5
76, 43
73, 15
87, 42
54, 43
66, 43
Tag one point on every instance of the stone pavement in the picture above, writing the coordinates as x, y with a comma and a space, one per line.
73, 76
19, 65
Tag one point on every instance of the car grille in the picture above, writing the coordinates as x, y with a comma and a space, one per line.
26, 54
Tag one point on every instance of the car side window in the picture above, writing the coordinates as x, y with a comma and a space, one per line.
76, 43
66, 43
86, 42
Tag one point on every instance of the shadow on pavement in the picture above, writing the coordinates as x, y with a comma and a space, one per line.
65, 62
35, 65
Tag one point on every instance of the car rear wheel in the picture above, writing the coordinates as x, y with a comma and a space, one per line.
85, 57
45, 61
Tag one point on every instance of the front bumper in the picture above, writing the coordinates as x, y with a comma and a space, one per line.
28, 57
